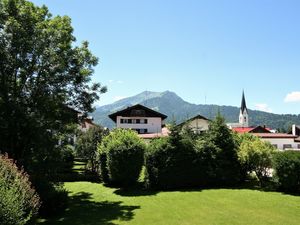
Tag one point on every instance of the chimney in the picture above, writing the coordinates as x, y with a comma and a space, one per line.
294, 129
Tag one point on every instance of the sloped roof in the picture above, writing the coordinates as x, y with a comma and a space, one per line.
258, 129
193, 118
128, 112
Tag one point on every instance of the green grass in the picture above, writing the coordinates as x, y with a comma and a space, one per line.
93, 204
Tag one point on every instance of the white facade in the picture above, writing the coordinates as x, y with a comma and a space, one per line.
198, 125
283, 143
244, 119
145, 125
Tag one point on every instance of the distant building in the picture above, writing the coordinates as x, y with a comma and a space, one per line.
197, 124
141, 119
279, 140
258, 129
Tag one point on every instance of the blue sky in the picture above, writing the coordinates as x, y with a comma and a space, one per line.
194, 48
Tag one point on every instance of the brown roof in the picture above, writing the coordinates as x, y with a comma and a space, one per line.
128, 112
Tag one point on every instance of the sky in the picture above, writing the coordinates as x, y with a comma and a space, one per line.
205, 51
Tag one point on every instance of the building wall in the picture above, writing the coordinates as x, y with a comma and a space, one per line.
198, 125
153, 126
280, 142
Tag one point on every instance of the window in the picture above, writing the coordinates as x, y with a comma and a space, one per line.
129, 120
137, 120
298, 146
287, 146
275, 146
143, 131
122, 121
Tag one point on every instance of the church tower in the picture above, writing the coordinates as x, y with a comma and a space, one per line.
244, 117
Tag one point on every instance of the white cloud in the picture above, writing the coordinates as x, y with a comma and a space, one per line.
117, 98
293, 97
120, 82
263, 107
110, 81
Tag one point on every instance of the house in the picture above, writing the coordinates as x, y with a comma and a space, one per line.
258, 129
197, 124
280, 141
141, 119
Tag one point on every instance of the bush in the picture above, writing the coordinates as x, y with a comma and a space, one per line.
169, 162
19, 202
103, 166
287, 170
256, 156
124, 152
184, 160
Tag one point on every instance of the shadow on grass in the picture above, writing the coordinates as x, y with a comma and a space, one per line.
83, 211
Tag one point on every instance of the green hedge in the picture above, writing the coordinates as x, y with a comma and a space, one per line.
121, 157
170, 165
19, 202
287, 170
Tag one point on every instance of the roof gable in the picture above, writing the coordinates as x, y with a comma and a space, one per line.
194, 118
137, 111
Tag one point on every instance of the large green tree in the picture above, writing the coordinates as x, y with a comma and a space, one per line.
42, 74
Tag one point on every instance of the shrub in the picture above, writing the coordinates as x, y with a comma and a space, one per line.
103, 166
287, 170
184, 160
169, 163
124, 152
19, 202
256, 156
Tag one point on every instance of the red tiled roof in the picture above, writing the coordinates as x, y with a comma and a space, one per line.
242, 129
274, 135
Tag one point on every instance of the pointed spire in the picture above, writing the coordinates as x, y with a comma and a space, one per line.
243, 104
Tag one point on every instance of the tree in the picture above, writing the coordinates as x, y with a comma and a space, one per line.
42, 75
256, 155
228, 169
86, 145
41, 72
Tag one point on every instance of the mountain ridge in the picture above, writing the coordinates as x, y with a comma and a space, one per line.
177, 109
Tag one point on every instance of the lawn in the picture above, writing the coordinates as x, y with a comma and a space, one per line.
93, 204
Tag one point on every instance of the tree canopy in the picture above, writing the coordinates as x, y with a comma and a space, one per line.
42, 73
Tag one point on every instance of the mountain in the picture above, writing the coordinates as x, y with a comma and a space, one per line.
176, 108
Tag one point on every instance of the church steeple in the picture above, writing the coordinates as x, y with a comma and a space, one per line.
243, 104
244, 118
